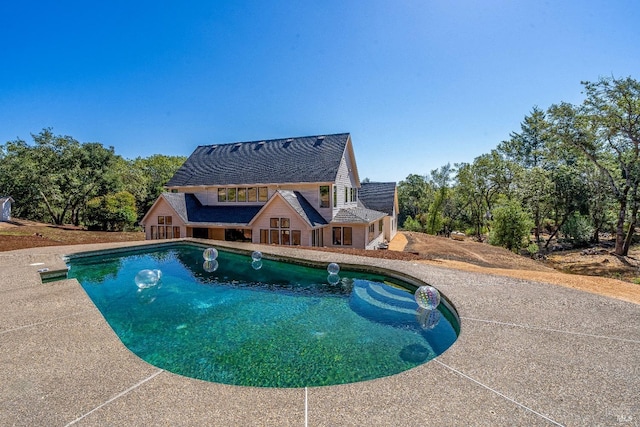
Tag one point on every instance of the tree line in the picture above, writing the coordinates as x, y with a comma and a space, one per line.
58, 180
571, 172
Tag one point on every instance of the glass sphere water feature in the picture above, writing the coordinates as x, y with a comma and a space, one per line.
333, 268
333, 279
210, 266
256, 255
427, 297
256, 264
210, 254
146, 279
428, 319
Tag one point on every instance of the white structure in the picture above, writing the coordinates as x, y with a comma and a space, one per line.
5, 206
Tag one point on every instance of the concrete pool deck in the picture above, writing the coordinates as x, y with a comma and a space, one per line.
528, 354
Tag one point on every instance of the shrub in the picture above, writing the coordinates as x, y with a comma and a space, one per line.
578, 230
510, 226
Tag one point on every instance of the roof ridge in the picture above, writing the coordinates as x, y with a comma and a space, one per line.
266, 141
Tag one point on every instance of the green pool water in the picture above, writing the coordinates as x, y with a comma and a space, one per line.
283, 325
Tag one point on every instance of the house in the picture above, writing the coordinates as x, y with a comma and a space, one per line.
302, 191
5, 208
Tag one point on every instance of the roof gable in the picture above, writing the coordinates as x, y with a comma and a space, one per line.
276, 161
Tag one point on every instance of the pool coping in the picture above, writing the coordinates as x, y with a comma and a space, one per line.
528, 354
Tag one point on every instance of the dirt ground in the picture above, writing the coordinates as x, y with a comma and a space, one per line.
594, 271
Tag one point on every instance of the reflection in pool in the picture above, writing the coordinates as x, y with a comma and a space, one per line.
258, 322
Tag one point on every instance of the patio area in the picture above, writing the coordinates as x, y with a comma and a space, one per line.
529, 353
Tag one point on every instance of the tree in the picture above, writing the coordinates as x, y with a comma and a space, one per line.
530, 149
606, 129
481, 183
112, 212
152, 174
510, 226
414, 196
440, 179
52, 179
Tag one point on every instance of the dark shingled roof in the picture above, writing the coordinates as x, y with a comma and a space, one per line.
303, 207
379, 196
189, 208
357, 215
277, 161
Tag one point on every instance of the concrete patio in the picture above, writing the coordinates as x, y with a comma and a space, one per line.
529, 354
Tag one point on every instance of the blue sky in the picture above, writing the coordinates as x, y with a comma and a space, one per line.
418, 84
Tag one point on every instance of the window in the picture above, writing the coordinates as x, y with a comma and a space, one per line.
222, 194
154, 232
337, 235
167, 220
351, 195
263, 194
169, 232
380, 224
347, 236
161, 233
160, 220
264, 236
317, 238
372, 228
284, 237
346, 194
231, 194
342, 236
279, 232
335, 195
252, 194
176, 232
324, 196
242, 194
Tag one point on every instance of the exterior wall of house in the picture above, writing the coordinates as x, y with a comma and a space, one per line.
152, 227
358, 236
281, 210
346, 187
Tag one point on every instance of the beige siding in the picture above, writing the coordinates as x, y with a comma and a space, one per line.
345, 180
163, 209
358, 236
280, 209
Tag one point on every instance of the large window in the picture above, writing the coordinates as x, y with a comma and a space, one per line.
342, 236
231, 194
263, 194
252, 194
324, 196
280, 233
164, 229
243, 194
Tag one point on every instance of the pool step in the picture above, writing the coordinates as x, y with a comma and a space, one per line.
383, 303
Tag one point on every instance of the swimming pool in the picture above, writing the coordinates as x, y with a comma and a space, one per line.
266, 324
